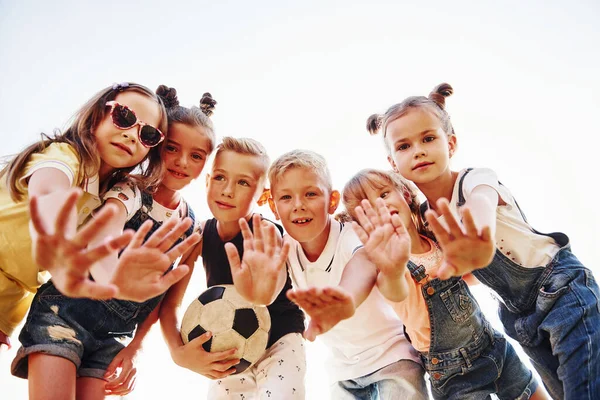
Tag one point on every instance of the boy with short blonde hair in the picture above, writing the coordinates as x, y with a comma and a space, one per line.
370, 354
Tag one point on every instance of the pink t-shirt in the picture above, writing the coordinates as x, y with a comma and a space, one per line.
413, 310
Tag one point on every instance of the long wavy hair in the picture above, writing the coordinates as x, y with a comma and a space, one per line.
80, 136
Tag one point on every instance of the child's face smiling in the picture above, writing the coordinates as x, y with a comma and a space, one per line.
393, 198
184, 155
234, 184
119, 148
303, 202
420, 149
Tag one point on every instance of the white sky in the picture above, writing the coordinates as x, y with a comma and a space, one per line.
307, 75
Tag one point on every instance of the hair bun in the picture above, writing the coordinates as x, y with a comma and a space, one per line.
168, 96
374, 123
439, 94
207, 104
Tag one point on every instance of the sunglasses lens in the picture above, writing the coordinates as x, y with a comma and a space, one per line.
150, 136
123, 117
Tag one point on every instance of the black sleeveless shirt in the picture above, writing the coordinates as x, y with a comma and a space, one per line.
286, 317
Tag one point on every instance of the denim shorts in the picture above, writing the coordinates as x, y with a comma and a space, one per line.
493, 368
71, 329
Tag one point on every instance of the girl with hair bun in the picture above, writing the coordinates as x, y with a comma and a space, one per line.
93, 349
550, 301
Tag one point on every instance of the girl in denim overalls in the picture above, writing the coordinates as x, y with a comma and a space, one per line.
464, 356
549, 300
90, 333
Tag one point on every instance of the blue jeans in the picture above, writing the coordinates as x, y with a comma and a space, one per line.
69, 328
401, 380
561, 334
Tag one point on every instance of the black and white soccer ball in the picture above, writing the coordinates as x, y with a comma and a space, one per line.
233, 321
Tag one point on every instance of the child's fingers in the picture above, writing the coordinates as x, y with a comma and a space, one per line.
140, 235
285, 250
441, 234
125, 388
234, 258
271, 240
259, 234
453, 224
469, 223
312, 331
174, 234
35, 217
225, 355
127, 369
247, 234
398, 225
486, 234
63, 216
225, 365
104, 249
370, 213
384, 212
183, 247
87, 232
336, 293
171, 278
363, 220
360, 232
196, 343
112, 367
159, 235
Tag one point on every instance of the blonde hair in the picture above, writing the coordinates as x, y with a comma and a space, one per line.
300, 159
354, 192
79, 135
435, 102
245, 146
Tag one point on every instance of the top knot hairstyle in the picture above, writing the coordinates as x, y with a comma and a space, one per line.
193, 116
207, 104
436, 102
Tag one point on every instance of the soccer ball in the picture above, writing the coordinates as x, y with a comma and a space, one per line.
233, 321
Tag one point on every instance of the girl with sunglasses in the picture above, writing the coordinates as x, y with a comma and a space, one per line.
116, 131
87, 357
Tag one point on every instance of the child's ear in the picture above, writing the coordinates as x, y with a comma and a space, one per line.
334, 201
451, 145
392, 163
273, 208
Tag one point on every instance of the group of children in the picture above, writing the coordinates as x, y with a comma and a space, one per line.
385, 282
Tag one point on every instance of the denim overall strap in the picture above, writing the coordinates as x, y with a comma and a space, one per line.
417, 272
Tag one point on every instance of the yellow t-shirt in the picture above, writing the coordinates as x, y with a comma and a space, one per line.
19, 274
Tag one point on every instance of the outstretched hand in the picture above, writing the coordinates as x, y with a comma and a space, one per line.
384, 237
67, 257
326, 307
257, 276
140, 271
465, 247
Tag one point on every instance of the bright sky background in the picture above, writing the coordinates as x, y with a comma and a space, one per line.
307, 75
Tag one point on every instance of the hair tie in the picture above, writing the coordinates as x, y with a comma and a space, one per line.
120, 86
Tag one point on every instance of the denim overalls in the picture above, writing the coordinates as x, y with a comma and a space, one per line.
553, 311
95, 327
467, 358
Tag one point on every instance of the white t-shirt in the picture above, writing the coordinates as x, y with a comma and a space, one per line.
373, 338
514, 237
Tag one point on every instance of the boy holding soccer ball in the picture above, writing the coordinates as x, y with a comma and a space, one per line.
236, 182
